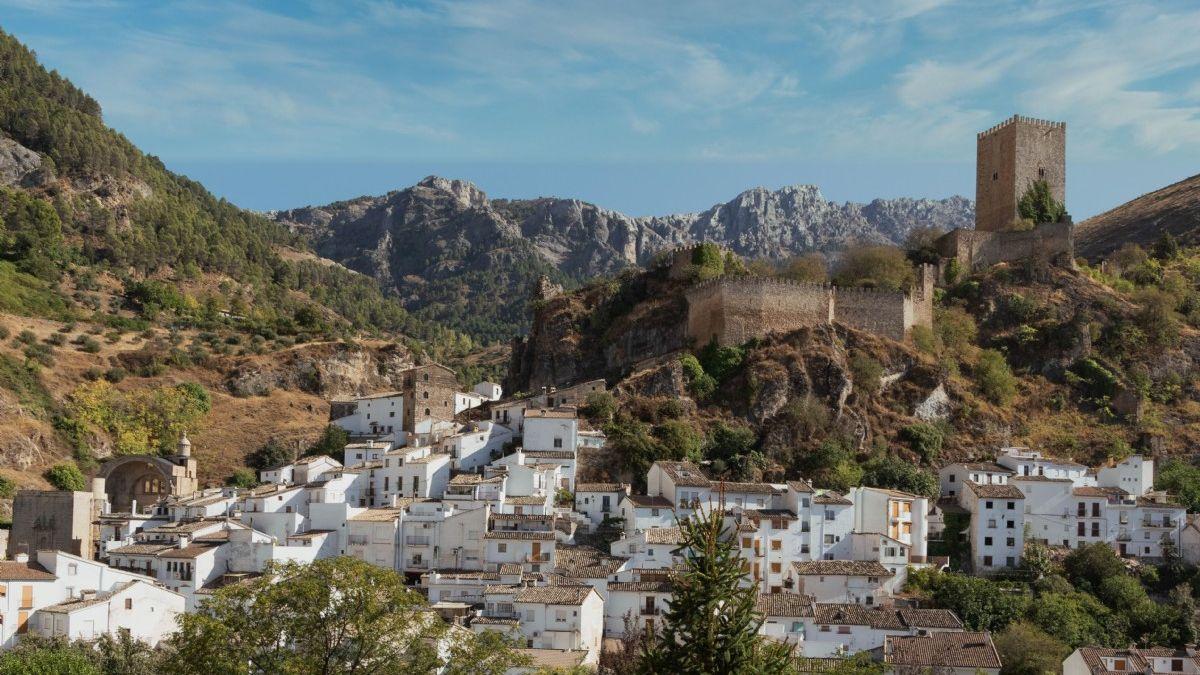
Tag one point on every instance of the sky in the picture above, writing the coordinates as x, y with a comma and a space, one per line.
646, 107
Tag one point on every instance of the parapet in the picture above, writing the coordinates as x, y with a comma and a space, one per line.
1046, 124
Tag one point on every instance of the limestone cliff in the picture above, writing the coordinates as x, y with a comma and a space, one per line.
468, 261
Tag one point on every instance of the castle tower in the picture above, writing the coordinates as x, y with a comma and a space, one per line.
1010, 157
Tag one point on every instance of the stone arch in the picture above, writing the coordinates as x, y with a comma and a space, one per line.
141, 478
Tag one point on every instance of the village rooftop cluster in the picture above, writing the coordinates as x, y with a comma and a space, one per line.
475, 499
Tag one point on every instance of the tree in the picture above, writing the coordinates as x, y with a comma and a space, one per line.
980, 603
66, 477
921, 244
712, 625
925, 439
599, 407
732, 445
1089, 565
122, 654
1180, 479
721, 362
335, 615
883, 267
865, 372
707, 261
700, 384
810, 267
242, 478
995, 378
486, 653
1036, 559
332, 442
40, 656
680, 440
897, 474
1026, 649
1075, 618
1038, 205
269, 455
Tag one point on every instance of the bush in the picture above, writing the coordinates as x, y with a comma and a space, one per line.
708, 262
8, 488
810, 267
700, 384
894, 473
332, 442
89, 345
994, 377
721, 362
242, 478
1088, 566
599, 407
1038, 205
883, 267
66, 477
115, 374
956, 329
865, 372
925, 439
1026, 649
679, 440
56, 339
269, 455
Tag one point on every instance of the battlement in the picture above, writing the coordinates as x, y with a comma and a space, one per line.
732, 309
1046, 124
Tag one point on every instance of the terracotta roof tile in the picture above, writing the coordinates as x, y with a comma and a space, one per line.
951, 650
18, 571
785, 604
856, 568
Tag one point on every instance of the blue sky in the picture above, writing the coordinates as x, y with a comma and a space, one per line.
647, 107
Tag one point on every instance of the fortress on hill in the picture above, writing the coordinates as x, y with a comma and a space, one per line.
1011, 157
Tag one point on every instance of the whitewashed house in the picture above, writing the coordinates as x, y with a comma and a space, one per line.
859, 582
146, 610
598, 501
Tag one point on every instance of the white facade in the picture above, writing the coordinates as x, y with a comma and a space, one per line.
490, 391
147, 611
375, 415
598, 501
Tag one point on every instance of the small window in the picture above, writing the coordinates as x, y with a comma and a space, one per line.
502, 548
1041, 172
128, 603
995, 175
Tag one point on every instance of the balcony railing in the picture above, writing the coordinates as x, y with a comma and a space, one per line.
651, 611
416, 541
538, 558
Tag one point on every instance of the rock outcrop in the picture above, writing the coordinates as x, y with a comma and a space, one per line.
20, 166
456, 256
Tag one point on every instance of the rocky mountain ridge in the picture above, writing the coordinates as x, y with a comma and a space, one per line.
430, 241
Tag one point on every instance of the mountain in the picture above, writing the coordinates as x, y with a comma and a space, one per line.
458, 257
134, 303
1174, 209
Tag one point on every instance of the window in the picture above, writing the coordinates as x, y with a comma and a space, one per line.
1095, 509
72, 569
843, 630
1095, 529
1119, 664
828, 539
995, 175
1010, 561
1081, 510
824, 629
1011, 525
1176, 665
1011, 505
776, 544
951, 478
987, 561
502, 548
1041, 172
776, 568
128, 603
1010, 542
987, 541
828, 514
558, 443
989, 505
1081, 529
991, 523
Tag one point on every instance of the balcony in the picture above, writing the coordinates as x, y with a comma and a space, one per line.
357, 540
537, 558
416, 541
651, 611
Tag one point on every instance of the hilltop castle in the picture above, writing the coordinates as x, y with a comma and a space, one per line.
732, 310
1010, 158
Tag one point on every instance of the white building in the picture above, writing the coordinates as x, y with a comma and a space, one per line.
858, 582
374, 415
490, 391
552, 617
997, 532
146, 610
952, 476
598, 501
643, 513
1145, 661
642, 603
476, 445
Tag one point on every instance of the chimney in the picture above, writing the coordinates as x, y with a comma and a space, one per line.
22, 558
183, 541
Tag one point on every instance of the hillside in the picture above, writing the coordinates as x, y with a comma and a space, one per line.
135, 304
1174, 209
462, 259
1083, 364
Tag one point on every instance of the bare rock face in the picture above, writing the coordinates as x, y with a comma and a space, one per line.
328, 371
20, 166
469, 261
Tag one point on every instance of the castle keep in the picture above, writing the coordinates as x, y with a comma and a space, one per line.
1010, 158
732, 310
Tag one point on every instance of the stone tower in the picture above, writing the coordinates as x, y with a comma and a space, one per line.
1010, 157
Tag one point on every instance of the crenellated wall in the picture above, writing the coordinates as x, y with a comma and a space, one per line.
732, 310
975, 249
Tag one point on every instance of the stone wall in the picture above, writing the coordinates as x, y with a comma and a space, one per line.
734, 310
428, 393
1052, 243
53, 519
1010, 157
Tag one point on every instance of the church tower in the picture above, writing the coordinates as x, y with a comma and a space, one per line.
1010, 157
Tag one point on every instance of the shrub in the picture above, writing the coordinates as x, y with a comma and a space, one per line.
332, 442
925, 439
115, 374
810, 267
707, 261
1038, 205
925, 339
599, 407
894, 473
66, 477
700, 384
242, 478
874, 267
994, 377
8, 488
27, 337
679, 440
956, 329
56, 339
4, 332
89, 345
269, 455
865, 372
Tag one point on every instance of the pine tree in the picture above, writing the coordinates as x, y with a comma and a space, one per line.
712, 625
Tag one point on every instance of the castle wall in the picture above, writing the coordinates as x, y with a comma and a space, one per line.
974, 249
733, 311
52, 519
886, 313
1010, 157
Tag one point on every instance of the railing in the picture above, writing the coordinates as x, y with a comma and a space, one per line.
651, 611
416, 541
357, 540
540, 557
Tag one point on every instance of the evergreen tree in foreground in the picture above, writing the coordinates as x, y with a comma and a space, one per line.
712, 626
